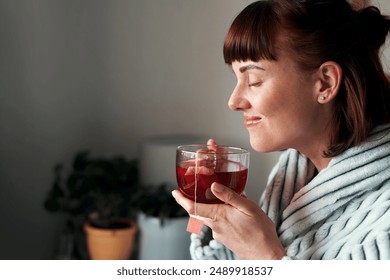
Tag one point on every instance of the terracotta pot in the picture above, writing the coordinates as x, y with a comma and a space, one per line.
111, 244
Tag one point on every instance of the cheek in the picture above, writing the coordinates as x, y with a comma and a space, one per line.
288, 101
271, 103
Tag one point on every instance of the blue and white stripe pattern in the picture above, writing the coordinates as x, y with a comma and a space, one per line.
343, 212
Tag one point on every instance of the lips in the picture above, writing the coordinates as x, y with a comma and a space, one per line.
251, 121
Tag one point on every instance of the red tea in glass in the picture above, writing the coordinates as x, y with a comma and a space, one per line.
198, 166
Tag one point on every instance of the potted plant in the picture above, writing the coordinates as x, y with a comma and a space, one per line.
162, 223
97, 195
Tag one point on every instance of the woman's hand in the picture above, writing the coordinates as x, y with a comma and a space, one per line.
239, 224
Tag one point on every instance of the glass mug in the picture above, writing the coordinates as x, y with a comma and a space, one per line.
198, 166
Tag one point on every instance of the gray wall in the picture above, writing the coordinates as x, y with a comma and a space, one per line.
103, 75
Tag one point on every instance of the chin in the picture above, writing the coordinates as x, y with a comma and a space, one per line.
263, 146
259, 146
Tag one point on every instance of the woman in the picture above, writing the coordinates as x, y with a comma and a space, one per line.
310, 83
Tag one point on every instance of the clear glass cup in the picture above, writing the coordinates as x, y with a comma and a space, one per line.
198, 166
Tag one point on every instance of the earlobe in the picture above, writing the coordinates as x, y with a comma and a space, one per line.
330, 75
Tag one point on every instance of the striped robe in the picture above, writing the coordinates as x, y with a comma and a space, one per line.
343, 212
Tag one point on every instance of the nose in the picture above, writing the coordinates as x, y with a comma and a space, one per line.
237, 101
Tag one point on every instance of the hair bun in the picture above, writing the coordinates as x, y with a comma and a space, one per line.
375, 26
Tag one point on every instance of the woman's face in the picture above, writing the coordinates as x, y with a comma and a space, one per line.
279, 103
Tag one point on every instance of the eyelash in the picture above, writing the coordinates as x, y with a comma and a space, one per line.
255, 84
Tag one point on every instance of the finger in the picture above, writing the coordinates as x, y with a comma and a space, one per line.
201, 160
204, 210
230, 197
211, 142
182, 201
212, 145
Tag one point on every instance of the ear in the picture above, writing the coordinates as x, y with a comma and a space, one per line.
359, 4
329, 80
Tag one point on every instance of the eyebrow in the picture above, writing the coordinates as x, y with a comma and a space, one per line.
250, 67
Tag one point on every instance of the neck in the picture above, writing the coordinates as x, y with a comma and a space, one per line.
318, 142
314, 150
320, 162
316, 154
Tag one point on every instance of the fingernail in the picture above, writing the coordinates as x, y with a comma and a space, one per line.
217, 187
173, 193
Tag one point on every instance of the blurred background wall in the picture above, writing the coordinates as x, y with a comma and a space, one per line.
103, 75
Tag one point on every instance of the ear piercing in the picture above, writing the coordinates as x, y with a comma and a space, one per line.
322, 97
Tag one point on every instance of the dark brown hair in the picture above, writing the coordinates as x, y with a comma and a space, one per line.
316, 31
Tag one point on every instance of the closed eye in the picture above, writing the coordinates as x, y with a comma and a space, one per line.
255, 84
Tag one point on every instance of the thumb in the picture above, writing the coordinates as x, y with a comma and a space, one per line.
230, 197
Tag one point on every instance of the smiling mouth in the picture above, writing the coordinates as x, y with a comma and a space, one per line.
252, 121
